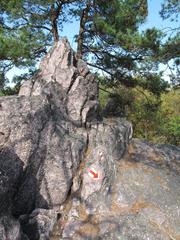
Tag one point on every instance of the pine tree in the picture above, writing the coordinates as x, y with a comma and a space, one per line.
27, 28
110, 40
170, 51
170, 9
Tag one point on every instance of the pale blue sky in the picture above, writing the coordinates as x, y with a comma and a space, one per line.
153, 20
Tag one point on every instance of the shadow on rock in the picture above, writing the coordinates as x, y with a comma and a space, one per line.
17, 197
11, 173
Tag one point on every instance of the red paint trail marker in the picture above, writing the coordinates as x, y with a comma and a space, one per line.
93, 174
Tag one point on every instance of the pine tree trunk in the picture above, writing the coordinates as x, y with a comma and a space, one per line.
80, 44
54, 17
83, 20
55, 31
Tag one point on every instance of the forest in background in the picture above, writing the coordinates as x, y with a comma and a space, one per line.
126, 60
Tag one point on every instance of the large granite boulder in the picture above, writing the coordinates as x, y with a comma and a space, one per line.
67, 173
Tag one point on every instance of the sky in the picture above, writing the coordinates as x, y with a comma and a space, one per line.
153, 20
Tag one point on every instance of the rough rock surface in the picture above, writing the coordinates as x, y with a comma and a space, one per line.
67, 173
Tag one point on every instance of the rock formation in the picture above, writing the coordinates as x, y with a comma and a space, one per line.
67, 173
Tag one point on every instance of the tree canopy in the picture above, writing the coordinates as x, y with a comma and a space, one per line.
170, 9
110, 34
27, 28
109, 38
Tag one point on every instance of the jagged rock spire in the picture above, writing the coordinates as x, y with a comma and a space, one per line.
70, 75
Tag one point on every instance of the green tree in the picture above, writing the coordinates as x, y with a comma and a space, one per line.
27, 28
110, 40
170, 53
156, 119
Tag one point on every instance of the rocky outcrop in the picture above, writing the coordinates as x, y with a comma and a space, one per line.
138, 200
67, 173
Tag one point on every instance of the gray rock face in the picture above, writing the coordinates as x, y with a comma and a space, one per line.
38, 224
107, 144
67, 173
10, 229
137, 199
11, 171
